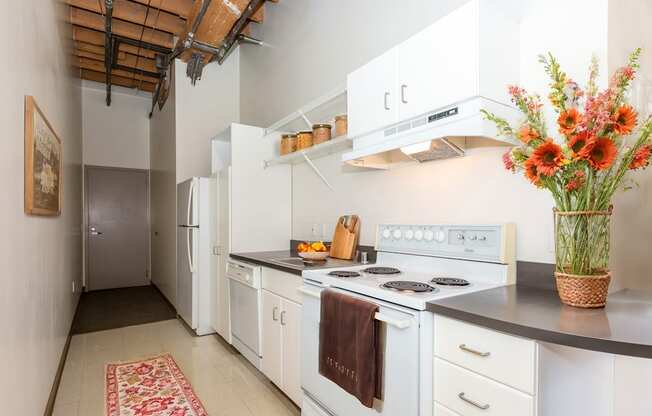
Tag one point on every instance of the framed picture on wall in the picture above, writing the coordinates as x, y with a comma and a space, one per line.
43, 164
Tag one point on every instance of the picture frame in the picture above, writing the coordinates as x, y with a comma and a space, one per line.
43, 163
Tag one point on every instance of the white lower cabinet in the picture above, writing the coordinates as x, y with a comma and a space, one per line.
478, 371
281, 323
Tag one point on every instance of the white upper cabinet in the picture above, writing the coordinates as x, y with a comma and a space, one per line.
372, 94
460, 56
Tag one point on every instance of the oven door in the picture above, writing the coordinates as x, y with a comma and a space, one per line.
400, 333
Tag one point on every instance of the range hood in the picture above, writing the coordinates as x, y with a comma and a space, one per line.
440, 134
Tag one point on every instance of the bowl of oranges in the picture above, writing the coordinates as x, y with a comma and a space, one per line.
317, 251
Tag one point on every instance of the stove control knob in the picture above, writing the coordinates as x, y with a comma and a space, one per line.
473, 237
418, 235
440, 236
429, 235
387, 233
409, 234
397, 234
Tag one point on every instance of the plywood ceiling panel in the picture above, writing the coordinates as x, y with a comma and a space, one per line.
154, 22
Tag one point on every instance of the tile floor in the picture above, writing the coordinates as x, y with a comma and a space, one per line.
224, 381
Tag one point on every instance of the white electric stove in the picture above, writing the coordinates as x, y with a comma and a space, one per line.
416, 264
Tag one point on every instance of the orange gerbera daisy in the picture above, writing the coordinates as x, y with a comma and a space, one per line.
568, 121
548, 158
603, 153
624, 120
527, 134
531, 171
581, 144
641, 158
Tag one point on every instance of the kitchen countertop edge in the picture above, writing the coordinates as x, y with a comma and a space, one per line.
457, 310
251, 258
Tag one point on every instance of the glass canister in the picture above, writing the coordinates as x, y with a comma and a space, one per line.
321, 133
288, 143
304, 140
341, 125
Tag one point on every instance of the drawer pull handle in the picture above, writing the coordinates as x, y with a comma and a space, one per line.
473, 402
274, 313
463, 347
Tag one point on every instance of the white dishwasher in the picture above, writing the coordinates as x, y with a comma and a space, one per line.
245, 308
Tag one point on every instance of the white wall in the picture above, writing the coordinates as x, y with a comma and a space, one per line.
308, 54
39, 257
163, 197
180, 148
118, 135
203, 111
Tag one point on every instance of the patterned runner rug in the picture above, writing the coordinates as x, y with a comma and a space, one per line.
151, 387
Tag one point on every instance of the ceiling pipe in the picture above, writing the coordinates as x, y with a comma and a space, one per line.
232, 37
108, 47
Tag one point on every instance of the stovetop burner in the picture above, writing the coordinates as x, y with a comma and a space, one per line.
344, 273
450, 281
382, 270
407, 286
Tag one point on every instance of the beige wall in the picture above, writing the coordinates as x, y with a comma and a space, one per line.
310, 47
118, 135
39, 257
163, 197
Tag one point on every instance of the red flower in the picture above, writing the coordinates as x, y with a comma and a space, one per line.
531, 172
603, 153
548, 158
581, 144
179, 411
508, 162
624, 120
641, 158
152, 406
143, 369
576, 182
527, 134
568, 121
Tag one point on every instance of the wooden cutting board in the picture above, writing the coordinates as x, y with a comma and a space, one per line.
346, 237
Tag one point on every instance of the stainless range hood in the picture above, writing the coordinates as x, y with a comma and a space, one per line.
440, 134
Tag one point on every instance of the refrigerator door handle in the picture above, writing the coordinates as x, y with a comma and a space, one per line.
191, 193
191, 265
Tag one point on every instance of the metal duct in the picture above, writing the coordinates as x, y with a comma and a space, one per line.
108, 47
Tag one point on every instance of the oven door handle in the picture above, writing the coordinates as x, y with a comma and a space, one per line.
398, 323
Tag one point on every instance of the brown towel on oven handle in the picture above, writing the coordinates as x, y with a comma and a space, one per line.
350, 353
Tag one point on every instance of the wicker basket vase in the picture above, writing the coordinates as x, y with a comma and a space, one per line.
582, 257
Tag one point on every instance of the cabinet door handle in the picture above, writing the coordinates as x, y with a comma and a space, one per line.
463, 397
275, 313
404, 94
463, 347
386, 101
283, 318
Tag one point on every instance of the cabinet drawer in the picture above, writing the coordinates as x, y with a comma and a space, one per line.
471, 394
442, 411
505, 358
282, 283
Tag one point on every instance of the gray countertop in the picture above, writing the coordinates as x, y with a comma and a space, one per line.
271, 258
624, 326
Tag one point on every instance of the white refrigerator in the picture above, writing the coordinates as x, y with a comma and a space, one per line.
195, 223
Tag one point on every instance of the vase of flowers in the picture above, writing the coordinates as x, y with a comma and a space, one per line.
600, 142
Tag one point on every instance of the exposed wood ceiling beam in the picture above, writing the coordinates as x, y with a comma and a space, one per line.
178, 7
97, 38
95, 21
131, 61
98, 66
135, 13
95, 49
117, 80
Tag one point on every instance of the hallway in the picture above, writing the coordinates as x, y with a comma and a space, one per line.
233, 388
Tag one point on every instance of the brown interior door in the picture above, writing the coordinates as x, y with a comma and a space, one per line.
118, 228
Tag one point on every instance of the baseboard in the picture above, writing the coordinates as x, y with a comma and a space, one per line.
49, 407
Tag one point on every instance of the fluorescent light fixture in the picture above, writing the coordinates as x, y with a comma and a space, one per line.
416, 148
